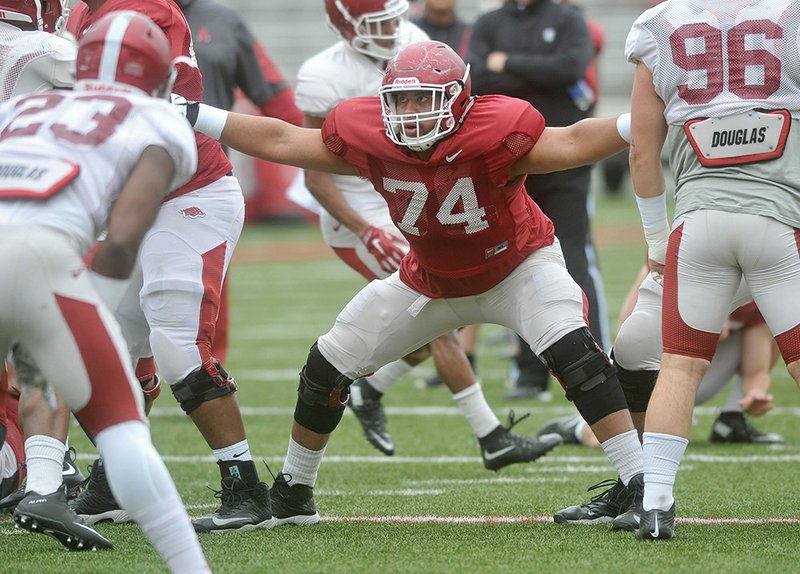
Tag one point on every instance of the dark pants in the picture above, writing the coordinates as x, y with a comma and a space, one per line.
563, 197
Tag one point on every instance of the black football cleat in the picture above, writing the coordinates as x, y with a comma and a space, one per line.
50, 514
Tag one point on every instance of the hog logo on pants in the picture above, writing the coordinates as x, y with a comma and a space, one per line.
193, 212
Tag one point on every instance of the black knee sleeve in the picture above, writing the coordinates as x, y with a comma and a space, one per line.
204, 384
586, 374
637, 386
321, 395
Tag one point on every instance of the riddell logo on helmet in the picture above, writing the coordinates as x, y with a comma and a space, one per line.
406, 82
193, 212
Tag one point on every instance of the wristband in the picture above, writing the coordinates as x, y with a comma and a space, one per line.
653, 211
109, 289
624, 126
210, 121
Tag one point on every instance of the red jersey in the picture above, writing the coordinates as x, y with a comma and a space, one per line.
212, 163
467, 222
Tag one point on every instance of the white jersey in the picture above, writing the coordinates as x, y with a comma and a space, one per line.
722, 60
713, 59
33, 61
46, 138
339, 73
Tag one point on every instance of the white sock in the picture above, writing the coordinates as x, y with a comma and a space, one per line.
44, 459
236, 451
142, 486
302, 464
476, 410
384, 377
662, 457
625, 453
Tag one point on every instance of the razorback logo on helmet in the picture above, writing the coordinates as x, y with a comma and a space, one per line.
369, 26
425, 66
193, 212
125, 50
44, 15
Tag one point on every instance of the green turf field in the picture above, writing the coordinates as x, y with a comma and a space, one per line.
432, 507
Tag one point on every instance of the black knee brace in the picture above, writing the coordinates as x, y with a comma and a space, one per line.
586, 374
637, 386
321, 395
204, 384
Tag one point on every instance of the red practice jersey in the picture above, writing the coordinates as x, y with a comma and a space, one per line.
468, 223
212, 163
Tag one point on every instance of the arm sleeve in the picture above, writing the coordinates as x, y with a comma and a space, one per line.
563, 66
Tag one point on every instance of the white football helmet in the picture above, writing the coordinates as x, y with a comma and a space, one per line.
365, 23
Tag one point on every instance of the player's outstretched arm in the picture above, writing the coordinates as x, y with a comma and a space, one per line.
583, 143
267, 138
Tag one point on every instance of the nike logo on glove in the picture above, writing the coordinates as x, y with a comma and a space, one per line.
493, 455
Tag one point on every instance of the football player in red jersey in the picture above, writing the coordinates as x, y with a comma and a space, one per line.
104, 156
451, 168
173, 301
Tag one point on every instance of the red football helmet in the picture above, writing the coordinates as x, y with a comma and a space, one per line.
367, 24
44, 15
125, 49
425, 67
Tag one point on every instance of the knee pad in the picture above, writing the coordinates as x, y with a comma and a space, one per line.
586, 374
205, 384
637, 387
322, 394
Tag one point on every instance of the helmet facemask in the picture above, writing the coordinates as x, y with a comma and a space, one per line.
370, 28
405, 129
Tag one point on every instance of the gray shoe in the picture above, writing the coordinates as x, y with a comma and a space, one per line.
293, 504
365, 402
657, 524
97, 503
564, 426
601, 509
630, 517
49, 514
733, 427
502, 447
243, 508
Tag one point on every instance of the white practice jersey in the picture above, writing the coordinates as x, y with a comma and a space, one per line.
712, 58
337, 74
46, 138
33, 61
724, 60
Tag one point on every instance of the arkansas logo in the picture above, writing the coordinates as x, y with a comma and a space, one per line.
193, 212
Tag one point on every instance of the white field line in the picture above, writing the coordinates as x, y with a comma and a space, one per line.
568, 464
397, 519
439, 411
